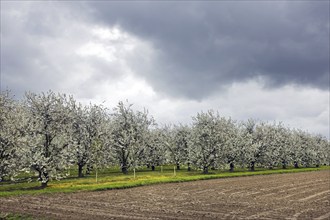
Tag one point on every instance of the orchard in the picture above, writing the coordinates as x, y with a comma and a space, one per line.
48, 133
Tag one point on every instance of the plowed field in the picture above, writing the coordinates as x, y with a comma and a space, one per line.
281, 196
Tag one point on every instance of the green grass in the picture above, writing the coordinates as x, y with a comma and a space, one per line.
113, 179
12, 216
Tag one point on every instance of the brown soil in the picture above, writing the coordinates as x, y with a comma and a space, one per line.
280, 196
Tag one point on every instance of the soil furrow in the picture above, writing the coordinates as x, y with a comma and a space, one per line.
280, 196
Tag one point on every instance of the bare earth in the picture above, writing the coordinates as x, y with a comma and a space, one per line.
280, 196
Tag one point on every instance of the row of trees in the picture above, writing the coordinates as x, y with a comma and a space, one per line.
48, 133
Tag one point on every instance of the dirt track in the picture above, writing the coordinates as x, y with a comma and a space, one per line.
282, 196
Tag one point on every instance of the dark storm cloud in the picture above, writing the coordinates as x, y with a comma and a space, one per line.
204, 46
200, 47
38, 42
175, 58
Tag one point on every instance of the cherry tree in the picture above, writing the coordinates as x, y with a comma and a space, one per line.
307, 149
12, 123
206, 140
295, 152
47, 145
283, 144
310, 149
79, 138
241, 145
177, 143
155, 150
250, 153
268, 142
90, 125
232, 143
129, 134
321, 149
98, 137
302, 151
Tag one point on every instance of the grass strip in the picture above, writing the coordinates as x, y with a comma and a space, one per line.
14, 216
120, 181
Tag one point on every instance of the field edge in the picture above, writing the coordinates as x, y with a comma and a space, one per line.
151, 181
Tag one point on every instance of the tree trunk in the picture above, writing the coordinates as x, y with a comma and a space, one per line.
252, 166
45, 180
44, 184
205, 170
189, 168
96, 175
80, 169
296, 164
178, 166
231, 167
317, 165
153, 167
124, 169
39, 175
124, 162
283, 164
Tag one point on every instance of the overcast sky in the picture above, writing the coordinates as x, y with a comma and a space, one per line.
267, 60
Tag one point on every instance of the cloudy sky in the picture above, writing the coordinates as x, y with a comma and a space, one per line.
267, 60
